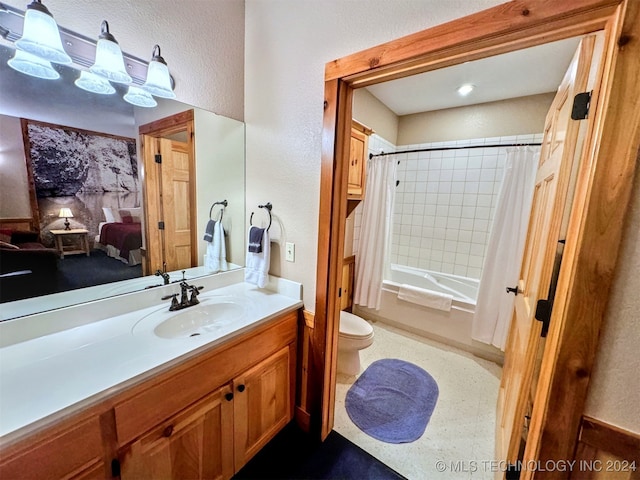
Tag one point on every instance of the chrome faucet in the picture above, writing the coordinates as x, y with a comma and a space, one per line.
188, 296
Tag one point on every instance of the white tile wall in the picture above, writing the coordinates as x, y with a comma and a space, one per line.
445, 203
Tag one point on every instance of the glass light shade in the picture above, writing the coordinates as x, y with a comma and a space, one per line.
139, 97
158, 81
109, 62
65, 213
29, 64
40, 35
94, 83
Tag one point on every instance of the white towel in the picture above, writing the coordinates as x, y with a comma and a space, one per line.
215, 260
424, 297
256, 268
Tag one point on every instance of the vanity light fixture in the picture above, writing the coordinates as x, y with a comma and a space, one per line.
66, 214
94, 83
158, 79
139, 97
465, 89
40, 35
29, 64
109, 62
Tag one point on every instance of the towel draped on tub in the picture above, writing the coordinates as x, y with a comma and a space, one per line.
424, 297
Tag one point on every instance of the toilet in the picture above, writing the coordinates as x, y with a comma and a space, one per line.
355, 334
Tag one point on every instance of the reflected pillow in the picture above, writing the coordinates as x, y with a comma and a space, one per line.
130, 215
110, 215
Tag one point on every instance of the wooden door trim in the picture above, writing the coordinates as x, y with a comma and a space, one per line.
599, 226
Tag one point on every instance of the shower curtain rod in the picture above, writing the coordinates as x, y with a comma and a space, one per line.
437, 149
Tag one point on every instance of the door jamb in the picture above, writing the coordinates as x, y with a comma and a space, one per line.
590, 258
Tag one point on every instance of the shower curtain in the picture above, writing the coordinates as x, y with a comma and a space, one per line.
375, 231
503, 260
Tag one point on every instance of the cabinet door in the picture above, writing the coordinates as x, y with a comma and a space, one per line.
196, 443
74, 453
262, 404
357, 160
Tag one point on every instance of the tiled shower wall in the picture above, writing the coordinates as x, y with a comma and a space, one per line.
444, 205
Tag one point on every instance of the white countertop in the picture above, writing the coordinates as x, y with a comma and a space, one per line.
52, 375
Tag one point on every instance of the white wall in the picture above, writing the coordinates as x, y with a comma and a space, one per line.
202, 41
287, 44
515, 116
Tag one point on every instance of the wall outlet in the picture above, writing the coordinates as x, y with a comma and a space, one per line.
290, 252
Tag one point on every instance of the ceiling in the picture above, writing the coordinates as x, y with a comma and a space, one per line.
516, 74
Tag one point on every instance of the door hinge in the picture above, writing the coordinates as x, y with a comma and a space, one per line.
160, 225
158, 158
115, 467
543, 314
581, 105
339, 292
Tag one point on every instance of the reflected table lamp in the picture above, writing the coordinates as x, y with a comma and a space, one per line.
66, 214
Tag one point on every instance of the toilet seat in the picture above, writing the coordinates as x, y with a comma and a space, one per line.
354, 327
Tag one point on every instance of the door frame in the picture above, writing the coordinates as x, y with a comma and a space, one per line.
165, 127
597, 220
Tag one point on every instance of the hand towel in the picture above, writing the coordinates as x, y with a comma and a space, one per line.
255, 239
208, 231
424, 297
215, 259
256, 268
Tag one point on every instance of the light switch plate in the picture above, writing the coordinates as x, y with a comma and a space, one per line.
290, 252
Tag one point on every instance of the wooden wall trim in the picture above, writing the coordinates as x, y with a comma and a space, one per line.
609, 438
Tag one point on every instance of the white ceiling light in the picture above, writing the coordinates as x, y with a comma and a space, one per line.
94, 83
40, 35
465, 89
139, 97
109, 62
158, 79
25, 62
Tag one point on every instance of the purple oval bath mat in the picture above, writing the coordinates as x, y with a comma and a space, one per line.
392, 401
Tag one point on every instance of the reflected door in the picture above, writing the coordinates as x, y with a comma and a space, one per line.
561, 149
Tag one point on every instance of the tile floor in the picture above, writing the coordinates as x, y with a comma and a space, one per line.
459, 440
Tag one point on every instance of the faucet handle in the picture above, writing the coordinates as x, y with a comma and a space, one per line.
174, 301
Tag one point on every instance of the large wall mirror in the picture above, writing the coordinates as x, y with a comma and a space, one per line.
55, 113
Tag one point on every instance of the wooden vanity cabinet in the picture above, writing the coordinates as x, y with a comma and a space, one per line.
73, 449
203, 418
250, 388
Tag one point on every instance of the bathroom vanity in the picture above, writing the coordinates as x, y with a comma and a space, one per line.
151, 393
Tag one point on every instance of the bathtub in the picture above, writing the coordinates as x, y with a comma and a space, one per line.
450, 327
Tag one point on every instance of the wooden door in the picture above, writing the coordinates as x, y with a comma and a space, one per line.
176, 203
559, 157
262, 404
195, 443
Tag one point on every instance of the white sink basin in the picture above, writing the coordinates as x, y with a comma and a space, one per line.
209, 316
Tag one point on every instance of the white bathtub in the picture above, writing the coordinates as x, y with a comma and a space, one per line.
450, 327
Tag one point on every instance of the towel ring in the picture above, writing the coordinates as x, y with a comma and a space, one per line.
268, 206
224, 203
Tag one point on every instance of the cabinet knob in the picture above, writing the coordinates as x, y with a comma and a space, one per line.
229, 396
241, 388
167, 431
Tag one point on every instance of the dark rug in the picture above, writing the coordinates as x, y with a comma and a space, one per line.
392, 401
79, 271
294, 455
